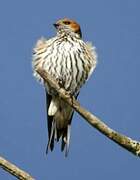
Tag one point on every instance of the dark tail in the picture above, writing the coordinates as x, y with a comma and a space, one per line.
55, 133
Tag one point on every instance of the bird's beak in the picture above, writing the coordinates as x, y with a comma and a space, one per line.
56, 25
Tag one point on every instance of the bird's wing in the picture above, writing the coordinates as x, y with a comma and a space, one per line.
50, 123
92, 55
37, 62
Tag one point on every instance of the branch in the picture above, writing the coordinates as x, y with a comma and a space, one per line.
122, 140
14, 170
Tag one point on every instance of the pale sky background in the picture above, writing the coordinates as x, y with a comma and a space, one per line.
112, 92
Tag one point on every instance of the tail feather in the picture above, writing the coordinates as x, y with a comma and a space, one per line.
66, 140
63, 145
55, 135
50, 144
59, 122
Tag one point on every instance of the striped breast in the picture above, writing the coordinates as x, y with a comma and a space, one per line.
69, 61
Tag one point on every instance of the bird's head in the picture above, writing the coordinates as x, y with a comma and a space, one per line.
68, 26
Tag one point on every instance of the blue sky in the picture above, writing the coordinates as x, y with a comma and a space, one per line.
112, 93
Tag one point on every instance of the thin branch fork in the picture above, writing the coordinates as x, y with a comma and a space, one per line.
14, 170
126, 142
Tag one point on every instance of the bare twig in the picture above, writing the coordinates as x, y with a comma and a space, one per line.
122, 140
14, 170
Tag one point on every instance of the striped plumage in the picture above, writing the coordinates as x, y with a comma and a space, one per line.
70, 61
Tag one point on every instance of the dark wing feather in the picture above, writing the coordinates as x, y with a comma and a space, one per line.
50, 124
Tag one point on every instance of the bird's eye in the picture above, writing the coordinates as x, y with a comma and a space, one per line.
66, 22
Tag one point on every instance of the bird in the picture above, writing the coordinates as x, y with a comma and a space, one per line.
70, 61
